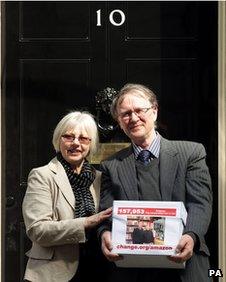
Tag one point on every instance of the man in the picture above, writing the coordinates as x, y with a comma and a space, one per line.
138, 233
173, 171
148, 236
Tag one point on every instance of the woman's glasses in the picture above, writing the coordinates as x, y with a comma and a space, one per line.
71, 137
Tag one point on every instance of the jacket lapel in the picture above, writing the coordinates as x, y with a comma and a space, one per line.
62, 181
127, 174
168, 168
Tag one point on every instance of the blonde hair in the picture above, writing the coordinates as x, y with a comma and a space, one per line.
142, 91
77, 119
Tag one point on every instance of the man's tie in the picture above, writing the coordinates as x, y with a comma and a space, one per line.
144, 156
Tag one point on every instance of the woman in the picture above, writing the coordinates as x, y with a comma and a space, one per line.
61, 201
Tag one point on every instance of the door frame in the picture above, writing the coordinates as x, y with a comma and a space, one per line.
221, 145
221, 137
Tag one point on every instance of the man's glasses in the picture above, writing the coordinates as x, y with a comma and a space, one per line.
71, 138
139, 112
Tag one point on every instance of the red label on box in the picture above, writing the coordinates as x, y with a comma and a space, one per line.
147, 211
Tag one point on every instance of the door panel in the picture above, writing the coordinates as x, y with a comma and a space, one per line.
44, 85
54, 21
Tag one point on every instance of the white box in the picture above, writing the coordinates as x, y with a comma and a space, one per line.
141, 248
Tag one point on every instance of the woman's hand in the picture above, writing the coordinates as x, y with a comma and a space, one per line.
94, 220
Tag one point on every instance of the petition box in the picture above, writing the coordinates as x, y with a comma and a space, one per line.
146, 232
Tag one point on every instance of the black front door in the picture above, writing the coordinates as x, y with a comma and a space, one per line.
58, 55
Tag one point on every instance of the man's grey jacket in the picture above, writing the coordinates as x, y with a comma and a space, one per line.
183, 176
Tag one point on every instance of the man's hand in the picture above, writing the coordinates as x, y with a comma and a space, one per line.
106, 247
184, 249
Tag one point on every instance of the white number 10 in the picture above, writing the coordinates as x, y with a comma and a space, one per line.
111, 19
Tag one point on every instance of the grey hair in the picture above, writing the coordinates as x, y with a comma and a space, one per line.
141, 90
77, 119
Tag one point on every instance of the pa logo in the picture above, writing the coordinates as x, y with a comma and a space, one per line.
215, 273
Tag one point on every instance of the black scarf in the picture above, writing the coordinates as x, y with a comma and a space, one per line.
80, 184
